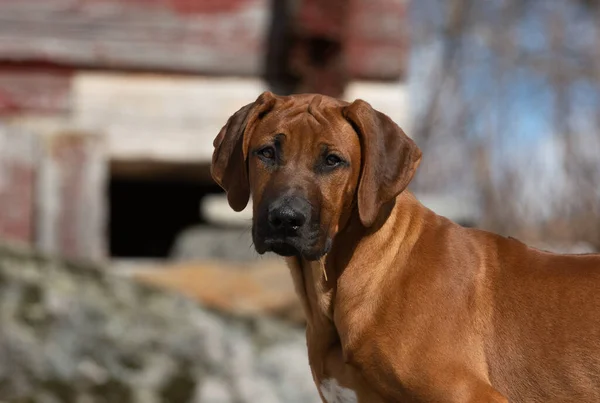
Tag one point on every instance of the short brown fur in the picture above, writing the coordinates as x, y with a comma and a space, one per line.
413, 307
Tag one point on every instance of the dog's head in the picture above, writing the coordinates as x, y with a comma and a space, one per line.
310, 162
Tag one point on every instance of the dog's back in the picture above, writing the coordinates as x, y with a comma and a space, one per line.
546, 325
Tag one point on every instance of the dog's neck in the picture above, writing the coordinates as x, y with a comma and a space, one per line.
315, 285
354, 276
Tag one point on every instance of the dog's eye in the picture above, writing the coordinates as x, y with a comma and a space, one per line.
267, 153
332, 160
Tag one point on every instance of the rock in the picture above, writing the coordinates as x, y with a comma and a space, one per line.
216, 210
229, 244
72, 332
261, 288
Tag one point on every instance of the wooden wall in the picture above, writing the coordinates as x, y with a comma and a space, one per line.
323, 44
53, 191
18, 172
206, 36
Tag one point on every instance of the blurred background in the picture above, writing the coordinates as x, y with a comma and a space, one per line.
125, 276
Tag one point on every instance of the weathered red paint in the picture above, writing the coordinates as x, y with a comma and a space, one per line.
16, 218
188, 36
178, 6
221, 37
25, 88
205, 6
17, 184
338, 40
377, 43
366, 59
324, 18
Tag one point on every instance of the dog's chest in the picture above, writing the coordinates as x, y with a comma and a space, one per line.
334, 393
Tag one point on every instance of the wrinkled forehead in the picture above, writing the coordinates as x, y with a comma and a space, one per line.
308, 121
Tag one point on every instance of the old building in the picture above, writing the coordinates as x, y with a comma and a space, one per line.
108, 108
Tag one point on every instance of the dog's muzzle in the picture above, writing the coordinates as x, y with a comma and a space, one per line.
287, 228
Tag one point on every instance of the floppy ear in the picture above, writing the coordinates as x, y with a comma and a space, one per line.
229, 168
389, 159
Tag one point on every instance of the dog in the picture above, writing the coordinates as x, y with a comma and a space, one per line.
403, 305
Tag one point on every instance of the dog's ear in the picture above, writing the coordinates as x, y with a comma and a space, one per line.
229, 159
389, 158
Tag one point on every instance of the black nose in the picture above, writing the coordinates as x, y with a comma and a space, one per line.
288, 214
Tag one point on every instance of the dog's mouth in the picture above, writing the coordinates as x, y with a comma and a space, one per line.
287, 247
282, 248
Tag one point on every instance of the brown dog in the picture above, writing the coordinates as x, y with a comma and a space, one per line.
402, 304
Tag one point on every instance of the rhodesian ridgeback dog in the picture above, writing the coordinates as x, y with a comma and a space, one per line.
403, 305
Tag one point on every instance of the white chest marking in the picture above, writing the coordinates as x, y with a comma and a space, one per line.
334, 393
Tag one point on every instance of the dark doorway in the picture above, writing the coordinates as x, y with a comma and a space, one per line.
146, 215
